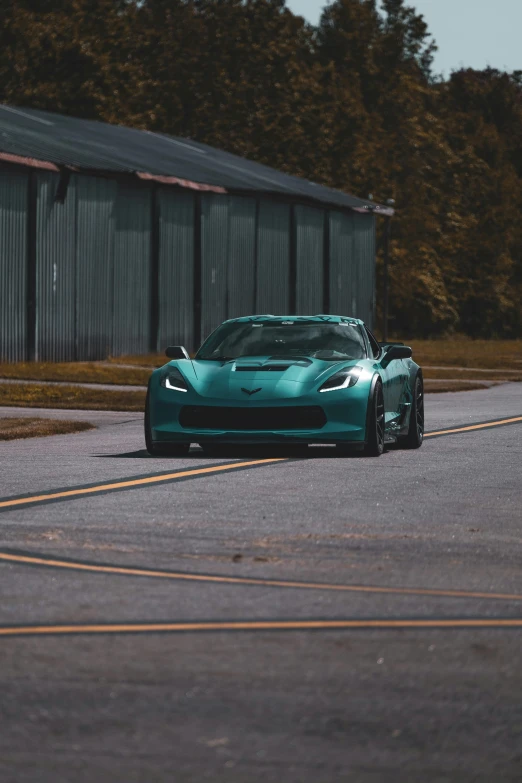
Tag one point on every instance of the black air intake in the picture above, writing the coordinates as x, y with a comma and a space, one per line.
206, 417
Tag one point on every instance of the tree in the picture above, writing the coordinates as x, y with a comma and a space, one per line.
352, 103
60, 56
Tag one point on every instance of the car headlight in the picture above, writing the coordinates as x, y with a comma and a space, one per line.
174, 380
342, 379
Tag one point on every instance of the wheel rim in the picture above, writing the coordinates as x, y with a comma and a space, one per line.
419, 409
379, 418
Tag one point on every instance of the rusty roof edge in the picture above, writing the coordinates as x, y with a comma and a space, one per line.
184, 183
32, 163
46, 165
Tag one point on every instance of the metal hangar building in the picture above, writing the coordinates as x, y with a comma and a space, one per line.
118, 241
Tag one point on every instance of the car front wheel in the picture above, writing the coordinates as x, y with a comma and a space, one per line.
160, 449
375, 423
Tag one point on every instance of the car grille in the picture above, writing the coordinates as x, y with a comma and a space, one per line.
206, 417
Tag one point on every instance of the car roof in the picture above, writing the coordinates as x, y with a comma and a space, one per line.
320, 318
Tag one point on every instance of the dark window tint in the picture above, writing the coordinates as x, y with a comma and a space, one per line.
326, 341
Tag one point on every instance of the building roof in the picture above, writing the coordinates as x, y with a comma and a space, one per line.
46, 140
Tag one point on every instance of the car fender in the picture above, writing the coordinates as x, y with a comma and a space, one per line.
414, 372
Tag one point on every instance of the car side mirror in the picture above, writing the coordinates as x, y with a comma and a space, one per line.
176, 352
396, 352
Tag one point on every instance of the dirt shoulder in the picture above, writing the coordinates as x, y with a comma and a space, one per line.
28, 427
76, 372
434, 386
34, 395
466, 353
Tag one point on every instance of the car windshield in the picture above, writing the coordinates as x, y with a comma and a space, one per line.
326, 341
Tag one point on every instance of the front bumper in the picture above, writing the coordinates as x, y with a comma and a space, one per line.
344, 418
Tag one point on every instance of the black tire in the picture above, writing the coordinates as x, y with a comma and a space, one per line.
415, 436
160, 449
375, 421
149, 445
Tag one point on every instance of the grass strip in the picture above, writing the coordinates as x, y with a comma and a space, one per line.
151, 360
451, 386
75, 372
462, 352
33, 395
13, 428
455, 373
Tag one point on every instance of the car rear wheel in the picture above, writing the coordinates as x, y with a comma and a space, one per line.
415, 436
160, 449
375, 423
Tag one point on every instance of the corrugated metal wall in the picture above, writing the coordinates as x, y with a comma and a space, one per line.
309, 226
131, 271
13, 265
364, 263
176, 267
228, 259
241, 256
214, 262
96, 252
55, 258
343, 287
273, 258
94, 249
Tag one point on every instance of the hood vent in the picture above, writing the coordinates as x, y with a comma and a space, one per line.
274, 364
262, 367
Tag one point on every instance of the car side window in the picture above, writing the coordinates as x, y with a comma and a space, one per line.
375, 348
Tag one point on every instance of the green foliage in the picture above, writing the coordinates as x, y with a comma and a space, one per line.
352, 103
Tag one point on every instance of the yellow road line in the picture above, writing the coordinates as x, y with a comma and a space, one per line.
245, 580
134, 482
138, 482
259, 625
475, 427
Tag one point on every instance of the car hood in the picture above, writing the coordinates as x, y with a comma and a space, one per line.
270, 377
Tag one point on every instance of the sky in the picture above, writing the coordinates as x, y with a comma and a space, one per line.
469, 33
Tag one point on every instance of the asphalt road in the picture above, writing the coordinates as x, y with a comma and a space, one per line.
349, 620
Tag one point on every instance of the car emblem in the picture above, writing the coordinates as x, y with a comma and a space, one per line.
250, 392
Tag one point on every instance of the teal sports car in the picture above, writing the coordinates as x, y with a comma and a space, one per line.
294, 380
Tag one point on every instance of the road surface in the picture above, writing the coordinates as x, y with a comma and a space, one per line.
264, 618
